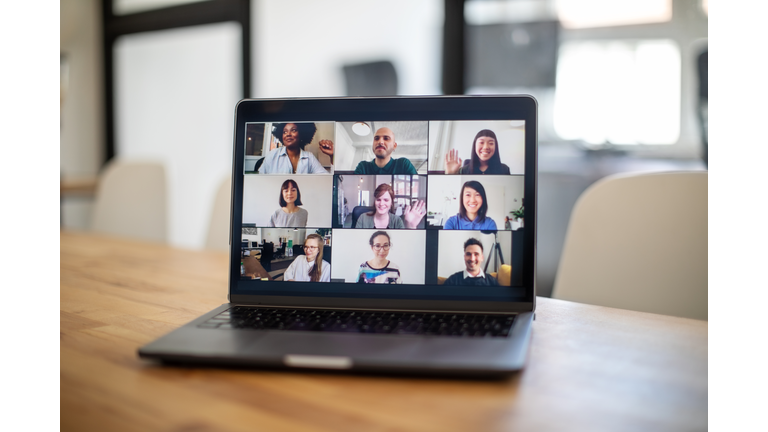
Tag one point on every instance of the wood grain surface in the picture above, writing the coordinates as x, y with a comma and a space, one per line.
590, 368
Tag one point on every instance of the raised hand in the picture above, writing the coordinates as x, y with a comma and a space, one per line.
326, 146
452, 162
413, 215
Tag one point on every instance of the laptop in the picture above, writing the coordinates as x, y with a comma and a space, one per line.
387, 234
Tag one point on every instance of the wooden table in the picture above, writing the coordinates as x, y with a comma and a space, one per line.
590, 368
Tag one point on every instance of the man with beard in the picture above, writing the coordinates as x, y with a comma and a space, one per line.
383, 146
473, 275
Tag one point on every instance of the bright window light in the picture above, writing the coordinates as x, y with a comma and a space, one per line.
124, 7
619, 92
608, 13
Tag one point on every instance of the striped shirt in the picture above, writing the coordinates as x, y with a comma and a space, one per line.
389, 274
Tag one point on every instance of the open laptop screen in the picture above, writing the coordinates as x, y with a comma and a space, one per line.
385, 204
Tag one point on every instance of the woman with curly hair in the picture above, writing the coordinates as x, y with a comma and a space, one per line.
291, 158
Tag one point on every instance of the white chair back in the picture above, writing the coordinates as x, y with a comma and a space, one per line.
131, 201
639, 242
218, 229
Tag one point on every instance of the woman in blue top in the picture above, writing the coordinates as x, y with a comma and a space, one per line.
472, 210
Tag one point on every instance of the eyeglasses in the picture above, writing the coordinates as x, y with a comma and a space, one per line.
310, 248
379, 247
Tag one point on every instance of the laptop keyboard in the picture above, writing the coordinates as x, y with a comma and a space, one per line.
461, 325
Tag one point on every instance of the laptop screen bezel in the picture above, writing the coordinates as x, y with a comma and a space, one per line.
399, 108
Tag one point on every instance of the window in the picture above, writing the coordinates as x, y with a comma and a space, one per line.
618, 92
609, 13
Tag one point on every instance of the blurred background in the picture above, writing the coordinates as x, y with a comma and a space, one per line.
622, 86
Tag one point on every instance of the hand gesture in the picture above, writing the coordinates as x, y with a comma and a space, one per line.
326, 146
413, 215
452, 162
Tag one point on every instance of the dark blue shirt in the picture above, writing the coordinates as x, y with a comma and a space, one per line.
394, 166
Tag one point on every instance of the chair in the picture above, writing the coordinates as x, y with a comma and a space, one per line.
267, 255
280, 252
258, 165
377, 78
218, 228
357, 211
639, 242
131, 201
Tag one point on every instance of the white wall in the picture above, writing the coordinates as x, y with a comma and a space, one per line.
82, 107
504, 194
175, 92
344, 152
261, 195
460, 135
351, 248
352, 185
451, 249
411, 138
299, 46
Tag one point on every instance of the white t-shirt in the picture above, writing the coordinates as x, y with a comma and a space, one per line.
299, 270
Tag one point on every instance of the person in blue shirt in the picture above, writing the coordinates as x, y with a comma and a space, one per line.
472, 210
291, 157
383, 146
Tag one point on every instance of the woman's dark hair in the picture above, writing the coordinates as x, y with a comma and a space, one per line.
472, 184
286, 184
474, 161
379, 192
378, 233
306, 132
317, 269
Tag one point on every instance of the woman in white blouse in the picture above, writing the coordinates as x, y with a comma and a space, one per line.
291, 158
309, 267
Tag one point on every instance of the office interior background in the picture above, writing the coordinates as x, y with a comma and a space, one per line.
621, 86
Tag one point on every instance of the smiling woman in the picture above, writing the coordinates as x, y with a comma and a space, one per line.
289, 214
484, 157
472, 210
291, 158
383, 215
310, 267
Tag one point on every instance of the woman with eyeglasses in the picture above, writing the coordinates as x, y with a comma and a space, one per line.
473, 208
379, 270
289, 214
310, 267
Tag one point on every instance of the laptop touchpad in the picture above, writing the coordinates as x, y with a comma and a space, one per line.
334, 345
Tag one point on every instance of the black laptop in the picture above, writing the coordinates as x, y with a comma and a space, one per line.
391, 234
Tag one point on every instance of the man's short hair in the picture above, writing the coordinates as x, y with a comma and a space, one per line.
473, 241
